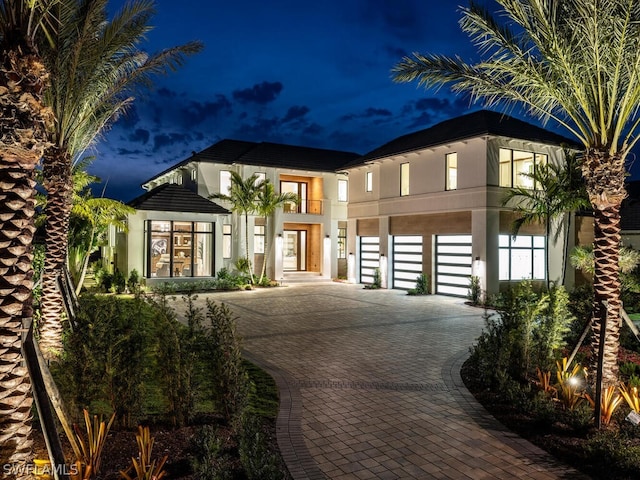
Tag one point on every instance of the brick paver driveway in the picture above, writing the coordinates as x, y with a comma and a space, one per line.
370, 386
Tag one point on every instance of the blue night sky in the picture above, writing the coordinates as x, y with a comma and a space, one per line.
303, 73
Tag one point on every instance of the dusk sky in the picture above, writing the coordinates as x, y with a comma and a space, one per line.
303, 73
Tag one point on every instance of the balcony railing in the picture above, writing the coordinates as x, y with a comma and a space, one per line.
310, 207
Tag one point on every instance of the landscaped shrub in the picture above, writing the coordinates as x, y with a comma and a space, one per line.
119, 282
475, 292
526, 332
422, 285
232, 384
133, 282
105, 359
259, 462
210, 459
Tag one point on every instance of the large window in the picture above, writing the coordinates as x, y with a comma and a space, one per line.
179, 249
226, 241
297, 188
368, 182
451, 171
225, 182
343, 189
516, 165
404, 179
258, 239
522, 257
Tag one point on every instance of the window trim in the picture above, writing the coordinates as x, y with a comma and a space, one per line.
176, 239
227, 235
259, 231
405, 179
220, 181
447, 179
511, 248
538, 159
345, 198
368, 181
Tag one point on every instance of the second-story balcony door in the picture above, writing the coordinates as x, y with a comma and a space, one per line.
299, 189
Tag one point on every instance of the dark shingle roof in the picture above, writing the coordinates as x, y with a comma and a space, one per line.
267, 154
483, 122
170, 197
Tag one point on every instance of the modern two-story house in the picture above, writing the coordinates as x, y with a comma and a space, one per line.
179, 233
427, 202
431, 202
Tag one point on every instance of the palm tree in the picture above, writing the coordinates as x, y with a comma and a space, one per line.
97, 69
575, 62
558, 191
267, 202
24, 120
242, 197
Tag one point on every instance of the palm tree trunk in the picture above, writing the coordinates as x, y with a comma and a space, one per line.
85, 263
246, 245
604, 176
58, 183
266, 250
23, 120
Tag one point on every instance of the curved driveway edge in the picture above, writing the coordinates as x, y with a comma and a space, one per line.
370, 386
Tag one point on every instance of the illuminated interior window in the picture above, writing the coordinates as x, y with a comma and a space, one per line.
451, 168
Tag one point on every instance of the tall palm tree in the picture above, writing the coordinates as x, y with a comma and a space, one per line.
575, 62
97, 69
559, 190
24, 120
242, 196
267, 202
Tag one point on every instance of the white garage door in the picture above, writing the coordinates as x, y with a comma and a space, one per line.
453, 264
369, 258
407, 261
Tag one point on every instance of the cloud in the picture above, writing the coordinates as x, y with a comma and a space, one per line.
126, 152
197, 112
165, 92
140, 135
260, 93
295, 113
368, 113
167, 139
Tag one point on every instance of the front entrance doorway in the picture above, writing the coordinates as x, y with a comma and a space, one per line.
294, 256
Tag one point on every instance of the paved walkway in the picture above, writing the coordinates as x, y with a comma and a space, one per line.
370, 386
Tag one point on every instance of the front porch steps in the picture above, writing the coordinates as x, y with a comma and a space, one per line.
303, 277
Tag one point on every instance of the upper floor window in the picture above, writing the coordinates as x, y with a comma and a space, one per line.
368, 185
517, 165
260, 177
225, 182
343, 188
451, 171
194, 175
404, 179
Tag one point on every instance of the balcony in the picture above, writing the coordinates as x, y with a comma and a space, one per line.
305, 207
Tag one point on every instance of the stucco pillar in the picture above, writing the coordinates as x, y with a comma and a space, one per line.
352, 251
485, 228
385, 261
